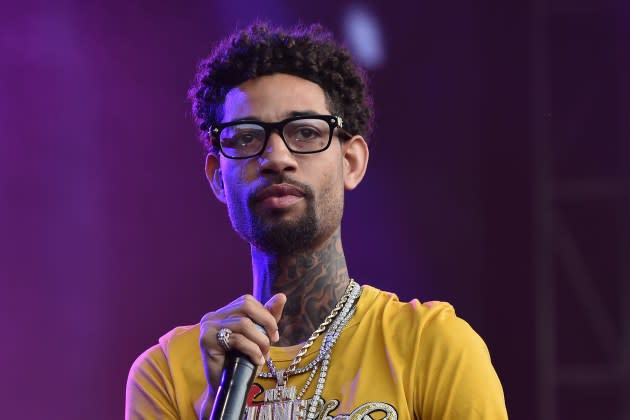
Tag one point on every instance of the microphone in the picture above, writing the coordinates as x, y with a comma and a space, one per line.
236, 380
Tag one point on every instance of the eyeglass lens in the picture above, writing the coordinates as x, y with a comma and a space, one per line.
301, 136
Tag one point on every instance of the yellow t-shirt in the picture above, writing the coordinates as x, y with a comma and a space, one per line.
392, 360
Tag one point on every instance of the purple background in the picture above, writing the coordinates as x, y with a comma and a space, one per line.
109, 235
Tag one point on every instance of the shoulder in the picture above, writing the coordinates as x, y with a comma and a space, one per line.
179, 340
384, 306
448, 362
165, 375
430, 330
173, 345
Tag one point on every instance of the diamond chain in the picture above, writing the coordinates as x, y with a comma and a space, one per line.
282, 402
292, 369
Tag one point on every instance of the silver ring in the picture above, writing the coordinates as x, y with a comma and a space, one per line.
223, 337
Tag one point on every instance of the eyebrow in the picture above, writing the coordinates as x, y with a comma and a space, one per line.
289, 115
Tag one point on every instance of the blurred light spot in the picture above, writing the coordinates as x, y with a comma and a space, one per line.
363, 36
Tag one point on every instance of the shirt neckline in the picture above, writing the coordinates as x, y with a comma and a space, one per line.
286, 354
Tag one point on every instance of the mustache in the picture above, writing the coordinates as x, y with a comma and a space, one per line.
281, 179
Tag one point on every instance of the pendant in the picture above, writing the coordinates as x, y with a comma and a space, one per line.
280, 403
280, 392
279, 410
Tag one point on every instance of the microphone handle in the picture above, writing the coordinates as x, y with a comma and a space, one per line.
236, 380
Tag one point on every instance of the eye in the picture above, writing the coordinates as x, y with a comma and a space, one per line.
306, 133
242, 136
304, 130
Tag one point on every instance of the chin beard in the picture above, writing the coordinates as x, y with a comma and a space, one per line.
272, 234
284, 237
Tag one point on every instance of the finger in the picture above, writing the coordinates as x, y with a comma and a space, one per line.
246, 346
275, 306
258, 313
247, 328
213, 353
239, 306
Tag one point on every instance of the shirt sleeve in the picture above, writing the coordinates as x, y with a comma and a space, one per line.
459, 381
149, 392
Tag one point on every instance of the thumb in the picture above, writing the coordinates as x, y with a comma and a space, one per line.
275, 306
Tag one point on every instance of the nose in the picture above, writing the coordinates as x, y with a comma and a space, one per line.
276, 158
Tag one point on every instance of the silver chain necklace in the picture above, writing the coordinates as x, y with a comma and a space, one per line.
293, 369
283, 402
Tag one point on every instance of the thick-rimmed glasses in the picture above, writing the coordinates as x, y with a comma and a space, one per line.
248, 138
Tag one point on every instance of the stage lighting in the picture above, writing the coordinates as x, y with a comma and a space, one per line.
363, 35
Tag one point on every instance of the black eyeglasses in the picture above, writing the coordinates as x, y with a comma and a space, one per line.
304, 134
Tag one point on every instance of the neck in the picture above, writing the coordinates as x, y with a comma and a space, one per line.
313, 282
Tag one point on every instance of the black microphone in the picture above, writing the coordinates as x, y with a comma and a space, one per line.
236, 380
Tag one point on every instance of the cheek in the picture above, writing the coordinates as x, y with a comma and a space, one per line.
238, 172
331, 188
235, 184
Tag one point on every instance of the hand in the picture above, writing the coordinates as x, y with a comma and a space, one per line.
239, 316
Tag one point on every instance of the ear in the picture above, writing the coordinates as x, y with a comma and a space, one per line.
355, 159
214, 176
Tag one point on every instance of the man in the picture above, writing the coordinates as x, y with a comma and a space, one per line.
285, 116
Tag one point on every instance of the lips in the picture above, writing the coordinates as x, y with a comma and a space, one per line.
279, 196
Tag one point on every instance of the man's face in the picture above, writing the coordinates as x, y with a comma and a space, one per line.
281, 202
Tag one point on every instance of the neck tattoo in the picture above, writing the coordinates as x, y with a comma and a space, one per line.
313, 282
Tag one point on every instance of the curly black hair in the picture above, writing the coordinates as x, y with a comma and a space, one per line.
309, 52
